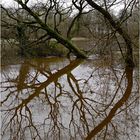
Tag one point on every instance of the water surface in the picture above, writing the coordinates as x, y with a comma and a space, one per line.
60, 99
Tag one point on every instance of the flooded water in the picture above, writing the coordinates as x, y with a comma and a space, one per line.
58, 99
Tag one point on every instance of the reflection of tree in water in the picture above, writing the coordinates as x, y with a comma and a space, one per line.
41, 103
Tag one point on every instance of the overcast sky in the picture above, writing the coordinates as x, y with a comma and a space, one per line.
7, 3
11, 3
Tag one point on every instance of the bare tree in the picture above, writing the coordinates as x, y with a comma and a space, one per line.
117, 26
38, 18
52, 32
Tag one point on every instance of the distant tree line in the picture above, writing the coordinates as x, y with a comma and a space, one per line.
54, 19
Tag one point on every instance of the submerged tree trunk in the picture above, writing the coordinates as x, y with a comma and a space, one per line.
72, 48
116, 26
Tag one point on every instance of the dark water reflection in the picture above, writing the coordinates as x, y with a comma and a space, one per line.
58, 99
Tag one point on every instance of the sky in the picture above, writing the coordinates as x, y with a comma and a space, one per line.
7, 3
11, 3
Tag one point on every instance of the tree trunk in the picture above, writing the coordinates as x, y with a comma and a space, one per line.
23, 41
116, 26
72, 48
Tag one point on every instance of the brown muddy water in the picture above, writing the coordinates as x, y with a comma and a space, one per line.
60, 99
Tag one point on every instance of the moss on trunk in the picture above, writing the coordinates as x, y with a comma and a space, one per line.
72, 48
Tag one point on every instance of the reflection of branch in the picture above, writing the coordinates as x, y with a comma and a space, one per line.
21, 113
98, 128
50, 79
69, 106
80, 99
107, 106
